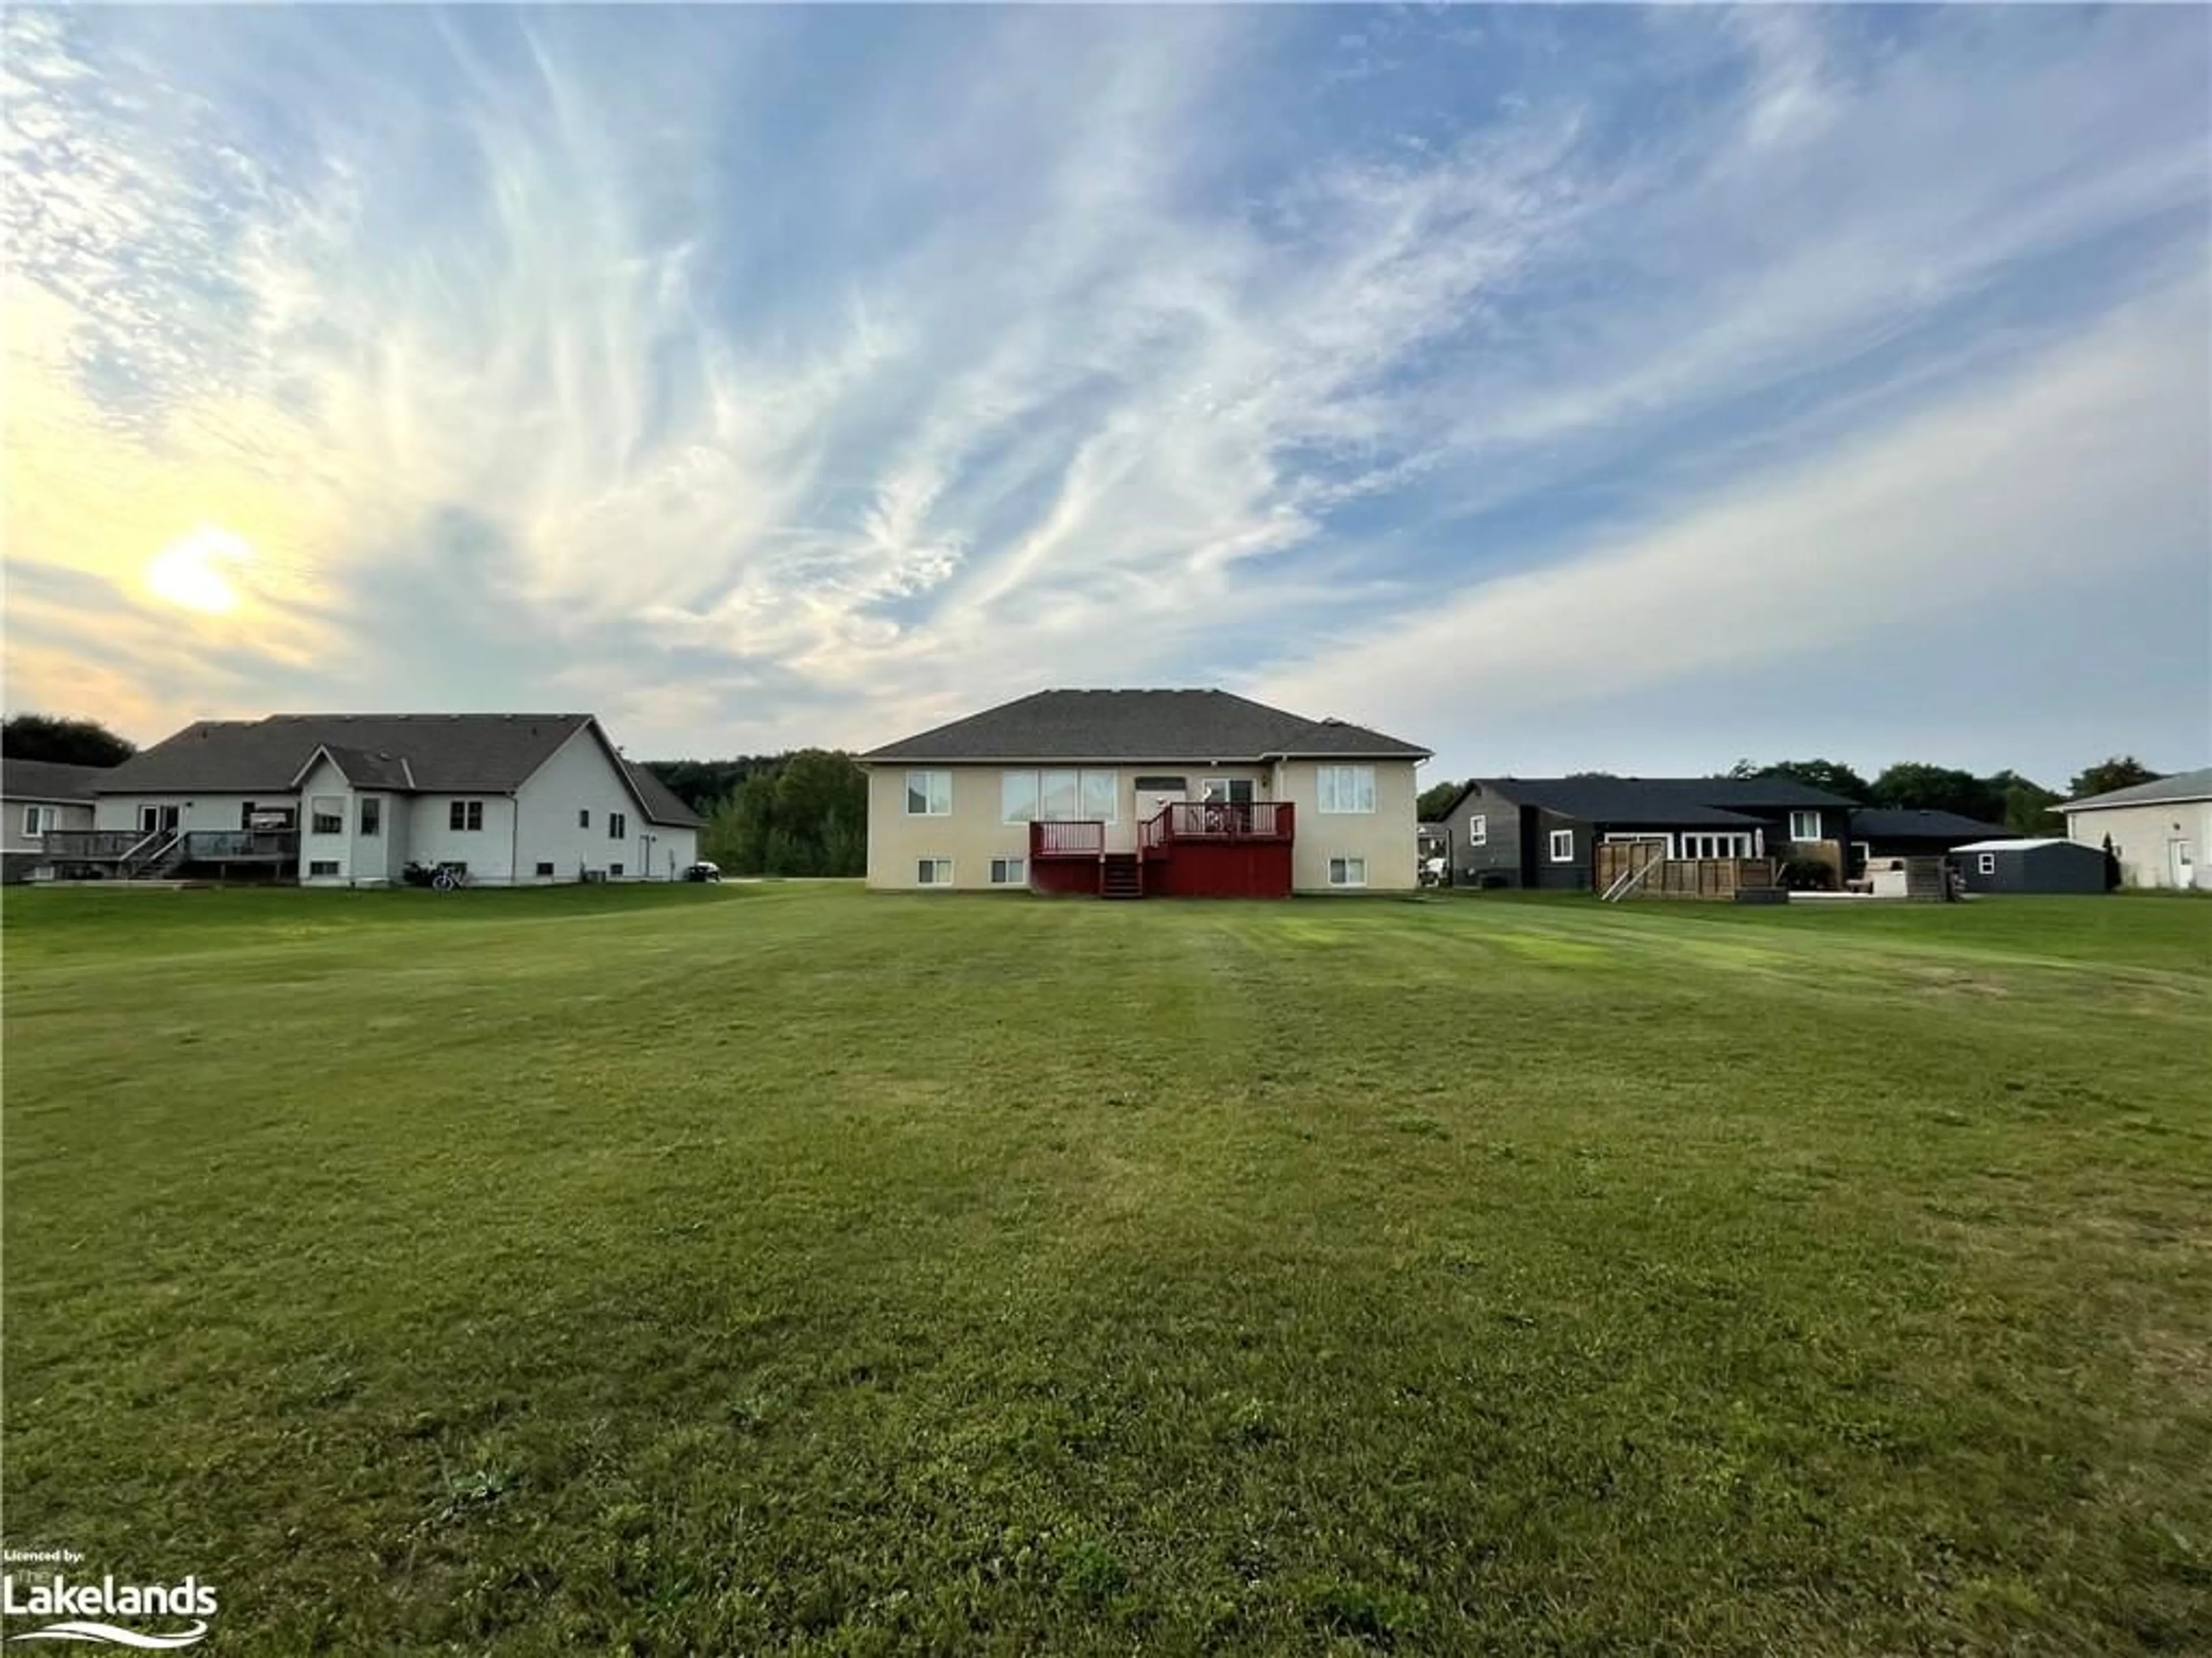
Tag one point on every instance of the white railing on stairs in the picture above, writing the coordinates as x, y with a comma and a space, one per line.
135, 866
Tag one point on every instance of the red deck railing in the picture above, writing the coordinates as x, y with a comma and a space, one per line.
1068, 840
1221, 820
1212, 821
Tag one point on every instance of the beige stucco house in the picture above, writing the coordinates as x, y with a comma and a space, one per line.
2159, 831
1126, 793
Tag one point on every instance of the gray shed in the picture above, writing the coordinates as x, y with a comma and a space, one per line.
2029, 866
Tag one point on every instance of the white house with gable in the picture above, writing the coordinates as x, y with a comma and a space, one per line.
354, 800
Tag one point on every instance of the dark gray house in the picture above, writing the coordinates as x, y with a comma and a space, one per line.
1544, 832
2029, 866
1879, 832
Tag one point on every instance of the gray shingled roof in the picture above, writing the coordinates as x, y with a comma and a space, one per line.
48, 780
1141, 725
1662, 802
365, 769
2181, 785
443, 754
1890, 823
661, 805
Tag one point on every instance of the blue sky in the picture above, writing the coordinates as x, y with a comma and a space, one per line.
1560, 388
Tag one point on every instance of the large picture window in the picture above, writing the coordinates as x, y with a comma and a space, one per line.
1060, 796
1346, 788
326, 815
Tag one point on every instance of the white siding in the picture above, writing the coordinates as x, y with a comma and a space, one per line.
324, 781
383, 856
487, 851
580, 778
537, 825
197, 811
2144, 835
68, 814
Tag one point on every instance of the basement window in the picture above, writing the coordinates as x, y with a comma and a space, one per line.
614, 871
545, 871
1347, 872
323, 866
1009, 871
932, 872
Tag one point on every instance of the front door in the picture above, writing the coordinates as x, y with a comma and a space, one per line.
2181, 863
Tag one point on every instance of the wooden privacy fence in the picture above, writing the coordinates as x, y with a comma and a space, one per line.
1640, 869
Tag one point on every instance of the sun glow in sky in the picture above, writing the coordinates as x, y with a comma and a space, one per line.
190, 571
1562, 388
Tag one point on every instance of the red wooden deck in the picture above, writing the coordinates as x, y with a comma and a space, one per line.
1191, 849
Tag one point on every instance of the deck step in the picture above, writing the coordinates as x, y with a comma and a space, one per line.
1121, 876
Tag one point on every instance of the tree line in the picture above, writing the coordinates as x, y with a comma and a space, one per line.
63, 742
2020, 803
801, 813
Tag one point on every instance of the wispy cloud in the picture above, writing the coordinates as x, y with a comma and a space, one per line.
770, 377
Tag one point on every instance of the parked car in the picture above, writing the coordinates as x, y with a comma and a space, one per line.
703, 871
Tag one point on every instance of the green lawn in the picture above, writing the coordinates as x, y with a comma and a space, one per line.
783, 1269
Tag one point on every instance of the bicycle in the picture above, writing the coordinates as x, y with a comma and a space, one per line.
448, 879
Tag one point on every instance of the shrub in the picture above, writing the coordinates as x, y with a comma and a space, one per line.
1807, 875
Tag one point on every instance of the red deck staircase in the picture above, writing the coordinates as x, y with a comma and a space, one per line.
1121, 876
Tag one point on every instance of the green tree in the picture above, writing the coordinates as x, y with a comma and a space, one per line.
1833, 775
802, 813
754, 815
1436, 800
71, 742
2121, 771
2027, 805
1914, 786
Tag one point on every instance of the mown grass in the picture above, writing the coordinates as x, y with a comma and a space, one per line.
793, 1270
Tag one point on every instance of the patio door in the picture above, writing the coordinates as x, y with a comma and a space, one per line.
160, 819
